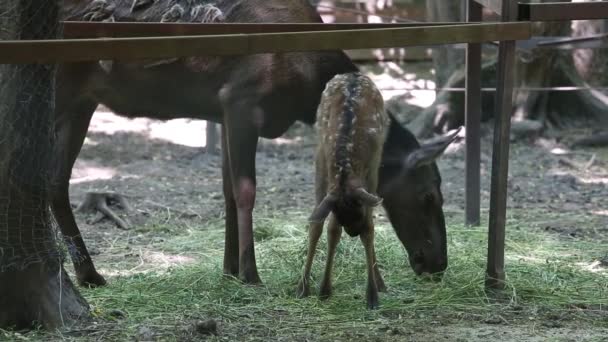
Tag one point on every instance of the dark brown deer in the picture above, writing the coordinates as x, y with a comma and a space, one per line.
251, 96
352, 127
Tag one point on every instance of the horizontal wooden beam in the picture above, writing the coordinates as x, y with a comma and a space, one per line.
87, 29
74, 50
493, 5
563, 11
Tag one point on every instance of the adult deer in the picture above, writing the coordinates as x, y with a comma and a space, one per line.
251, 96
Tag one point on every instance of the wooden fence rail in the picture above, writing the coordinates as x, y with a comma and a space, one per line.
88, 29
74, 50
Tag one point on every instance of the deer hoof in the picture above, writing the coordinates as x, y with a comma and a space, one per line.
372, 300
250, 279
91, 280
325, 291
303, 290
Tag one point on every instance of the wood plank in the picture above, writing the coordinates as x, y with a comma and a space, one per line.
558, 11
473, 123
495, 271
73, 50
86, 29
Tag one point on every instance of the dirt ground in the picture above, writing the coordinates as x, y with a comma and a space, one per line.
161, 169
164, 178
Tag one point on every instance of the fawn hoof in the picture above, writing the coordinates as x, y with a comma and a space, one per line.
91, 279
230, 276
303, 290
372, 300
230, 273
325, 291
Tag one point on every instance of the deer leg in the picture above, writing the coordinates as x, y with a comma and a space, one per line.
231, 244
379, 279
367, 238
372, 183
315, 229
241, 140
334, 232
71, 127
314, 233
377, 274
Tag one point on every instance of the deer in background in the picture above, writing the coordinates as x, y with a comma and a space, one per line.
352, 126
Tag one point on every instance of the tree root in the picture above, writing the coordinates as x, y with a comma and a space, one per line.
100, 202
596, 140
525, 128
180, 213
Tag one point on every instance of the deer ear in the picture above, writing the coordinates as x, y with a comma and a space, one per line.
323, 209
428, 153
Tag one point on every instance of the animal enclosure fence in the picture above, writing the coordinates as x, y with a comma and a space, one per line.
26, 133
510, 11
84, 41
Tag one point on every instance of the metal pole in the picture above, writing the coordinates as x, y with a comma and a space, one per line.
495, 275
473, 122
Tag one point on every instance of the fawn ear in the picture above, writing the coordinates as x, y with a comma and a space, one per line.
428, 153
323, 209
366, 198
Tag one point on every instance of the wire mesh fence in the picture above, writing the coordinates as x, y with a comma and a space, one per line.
28, 166
27, 230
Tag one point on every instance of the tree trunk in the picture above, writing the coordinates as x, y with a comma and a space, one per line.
591, 65
546, 68
212, 138
447, 61
538, 68
34, 288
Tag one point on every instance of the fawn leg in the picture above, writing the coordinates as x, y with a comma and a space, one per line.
314, 233
367, 238
334, 232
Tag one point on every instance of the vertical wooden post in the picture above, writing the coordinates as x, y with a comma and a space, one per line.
212, 138
495, 274
473, 122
